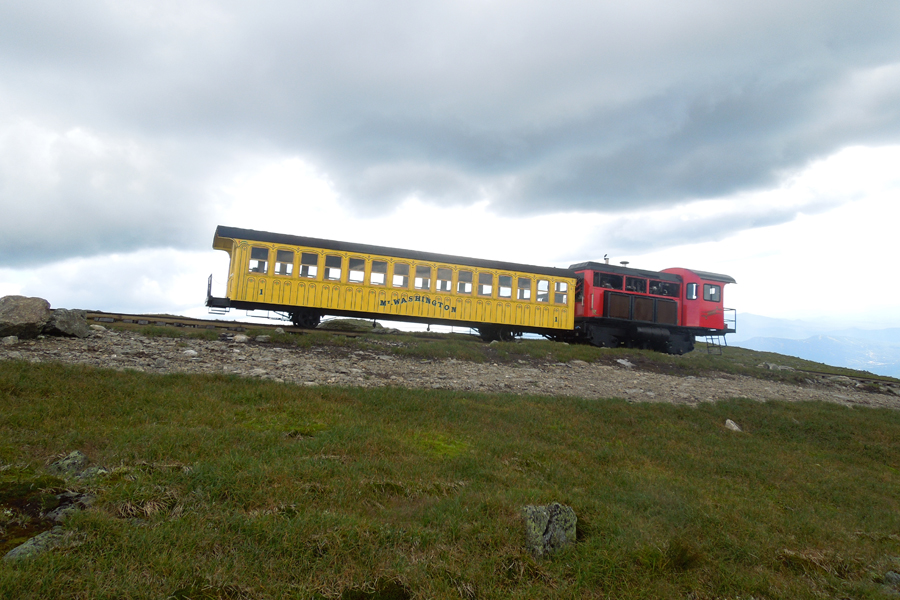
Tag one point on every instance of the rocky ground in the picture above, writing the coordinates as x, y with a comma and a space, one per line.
353, 367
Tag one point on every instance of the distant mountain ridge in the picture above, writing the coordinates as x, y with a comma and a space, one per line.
873, 350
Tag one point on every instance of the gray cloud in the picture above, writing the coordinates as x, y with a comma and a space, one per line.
578, 106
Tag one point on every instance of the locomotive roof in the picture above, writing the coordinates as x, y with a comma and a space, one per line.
223, 231
714, 276
605, 268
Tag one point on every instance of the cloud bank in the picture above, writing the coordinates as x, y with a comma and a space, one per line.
118, 119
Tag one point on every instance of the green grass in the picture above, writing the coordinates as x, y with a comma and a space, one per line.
231, 488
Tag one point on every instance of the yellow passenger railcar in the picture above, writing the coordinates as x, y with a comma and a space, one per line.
307, 278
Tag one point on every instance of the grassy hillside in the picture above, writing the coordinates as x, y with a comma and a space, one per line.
232, 488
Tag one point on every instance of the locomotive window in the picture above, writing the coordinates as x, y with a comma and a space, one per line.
485, 284
504, 286
524, 288
464, 282
309, 265
561, 292
332, 267
379, 272
284, 262
259, 260
423, 278
443, 280
608, 281
691, 291
401, 275
356, 272
713, 293
664, 288
543, 291
633, 284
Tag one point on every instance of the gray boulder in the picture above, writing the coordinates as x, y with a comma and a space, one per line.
549, 528
37, 545
71, 465
23, 317
71, 323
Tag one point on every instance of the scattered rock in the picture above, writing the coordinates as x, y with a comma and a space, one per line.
892, 578
549, 528
190, 353
625, 362
575, 362
71, 323
729, 424
37, 545
71, 465
377, 366
69, 504
241, 338
10, 340
774, 367
91, 473
98, 328
23, 317
279, 330
263, 338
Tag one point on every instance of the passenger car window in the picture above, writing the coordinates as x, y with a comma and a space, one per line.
259, 260
664, 288
332, 267
633, 284
423, 278
401, 275
284, 262
504, 286
524, 288
561, 292
543, 290
464, 282
608, 281
443, 280
356, 271
712, 293
485, 284
379, 272
309, 265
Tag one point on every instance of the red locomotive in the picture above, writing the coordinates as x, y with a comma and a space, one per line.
665, 310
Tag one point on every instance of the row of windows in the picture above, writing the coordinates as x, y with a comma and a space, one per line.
424, 277
636, 284
711, 292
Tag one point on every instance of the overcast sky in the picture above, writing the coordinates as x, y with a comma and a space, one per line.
758, 139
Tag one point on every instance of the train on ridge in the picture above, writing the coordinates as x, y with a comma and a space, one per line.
304, 279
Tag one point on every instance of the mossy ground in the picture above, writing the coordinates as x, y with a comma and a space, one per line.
238, 488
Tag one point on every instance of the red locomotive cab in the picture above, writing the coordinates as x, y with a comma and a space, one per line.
701, 300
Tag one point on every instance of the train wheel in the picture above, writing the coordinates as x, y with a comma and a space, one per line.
602, 337
496, 334
307, 319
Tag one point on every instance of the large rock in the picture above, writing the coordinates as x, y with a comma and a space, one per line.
37, 545
549, 528
67, 322
23, 317
72, 464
